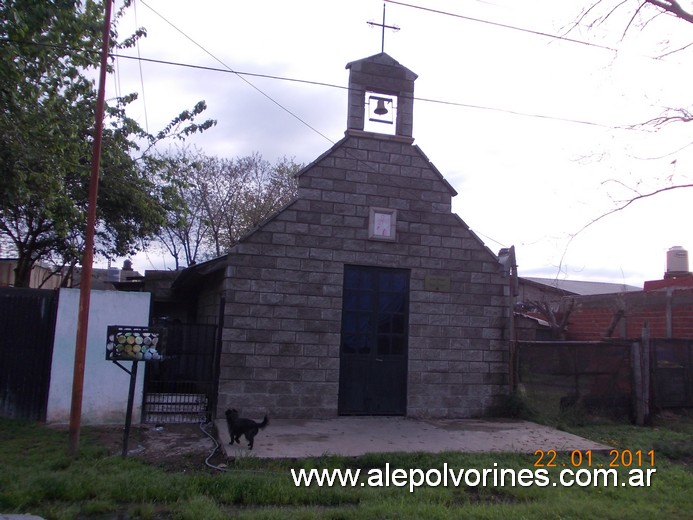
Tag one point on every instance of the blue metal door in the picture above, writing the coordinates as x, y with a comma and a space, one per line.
374, 341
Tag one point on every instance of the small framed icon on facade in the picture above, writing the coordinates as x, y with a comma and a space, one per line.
382, 224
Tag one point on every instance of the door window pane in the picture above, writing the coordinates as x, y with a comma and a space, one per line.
375, 310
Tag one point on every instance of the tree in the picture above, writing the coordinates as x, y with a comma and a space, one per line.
556, 314
47, 107
641, 13
601, 10
186, 225
213, 202
624, 16
262, 189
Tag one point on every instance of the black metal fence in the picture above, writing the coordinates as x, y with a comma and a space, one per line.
27, 326
183, 387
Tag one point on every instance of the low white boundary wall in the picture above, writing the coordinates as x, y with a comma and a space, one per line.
105, 384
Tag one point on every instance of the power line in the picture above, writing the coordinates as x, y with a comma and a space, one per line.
525, 114
240, 76
505, 26
451, 103
144, 101
228, 70
465, 105
332, 85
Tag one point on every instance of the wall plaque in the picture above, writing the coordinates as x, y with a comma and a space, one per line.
437, 283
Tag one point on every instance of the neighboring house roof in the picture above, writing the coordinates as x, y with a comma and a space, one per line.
584, 288
191, 276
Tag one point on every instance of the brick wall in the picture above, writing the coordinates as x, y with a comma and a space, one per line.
284, 284
668, 314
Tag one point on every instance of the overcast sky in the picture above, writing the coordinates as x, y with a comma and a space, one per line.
539, 135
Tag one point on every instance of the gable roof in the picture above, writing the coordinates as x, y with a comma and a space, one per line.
435, 170
383, 58
190, 277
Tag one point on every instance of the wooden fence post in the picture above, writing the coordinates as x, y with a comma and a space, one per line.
636, 390
645, 360
640, 367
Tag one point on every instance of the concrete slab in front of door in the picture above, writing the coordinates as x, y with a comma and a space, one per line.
353, 436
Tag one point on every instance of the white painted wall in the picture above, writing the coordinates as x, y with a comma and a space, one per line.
105, 384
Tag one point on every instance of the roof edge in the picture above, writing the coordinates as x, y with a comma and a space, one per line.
452, 190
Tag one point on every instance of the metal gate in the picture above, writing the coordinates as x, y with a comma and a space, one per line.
27, 325
183, 387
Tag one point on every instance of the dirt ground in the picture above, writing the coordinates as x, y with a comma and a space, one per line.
174, 447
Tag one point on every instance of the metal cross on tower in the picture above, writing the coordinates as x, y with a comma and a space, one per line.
393, 27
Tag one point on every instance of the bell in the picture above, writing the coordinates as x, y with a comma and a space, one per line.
381, 110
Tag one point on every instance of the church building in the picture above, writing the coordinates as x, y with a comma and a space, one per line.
366, 295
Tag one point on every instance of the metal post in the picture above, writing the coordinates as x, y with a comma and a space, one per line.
513, 368
88, 258
128, 413
636, 374
645, 360
382, 41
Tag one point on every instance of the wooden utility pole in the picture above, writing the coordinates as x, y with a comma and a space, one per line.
88, 258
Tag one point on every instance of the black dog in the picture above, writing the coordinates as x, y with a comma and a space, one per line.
239, 426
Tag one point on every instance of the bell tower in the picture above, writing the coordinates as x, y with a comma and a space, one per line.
381, 98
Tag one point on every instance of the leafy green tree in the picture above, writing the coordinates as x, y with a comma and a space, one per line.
47, 107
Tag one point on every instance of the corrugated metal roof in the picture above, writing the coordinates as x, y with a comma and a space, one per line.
584, 288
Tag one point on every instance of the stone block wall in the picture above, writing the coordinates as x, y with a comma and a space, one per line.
282, 321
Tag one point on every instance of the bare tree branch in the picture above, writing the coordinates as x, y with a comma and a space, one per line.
557, 320
627, 203
671, 115
674, 51
632, 18
673, 7
668, 154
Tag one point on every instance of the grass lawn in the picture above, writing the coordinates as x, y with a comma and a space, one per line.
37, 476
